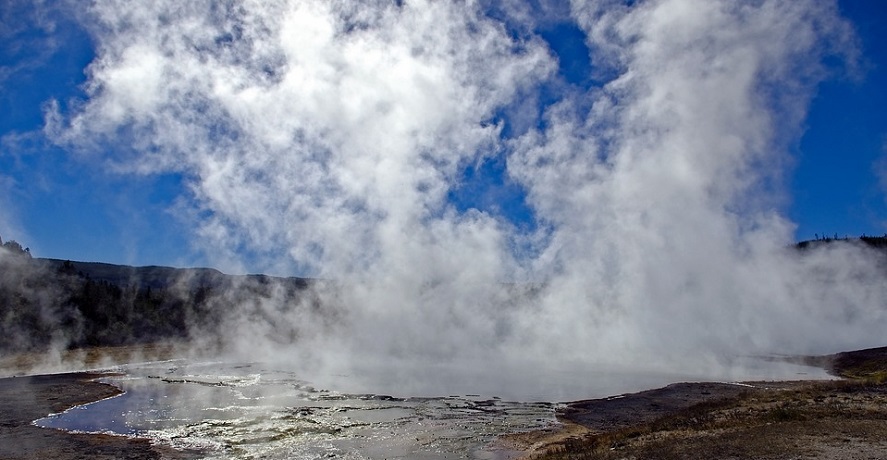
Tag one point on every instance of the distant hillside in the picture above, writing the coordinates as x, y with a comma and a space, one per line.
60, 303
145, 277
877, 242
52, 303
156, 277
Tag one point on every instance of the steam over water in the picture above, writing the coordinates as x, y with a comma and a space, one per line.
250, 410
628, 222
478, 219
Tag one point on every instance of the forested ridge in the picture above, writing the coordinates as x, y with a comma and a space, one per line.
59, 303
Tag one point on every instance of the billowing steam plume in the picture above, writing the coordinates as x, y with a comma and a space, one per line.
326, 138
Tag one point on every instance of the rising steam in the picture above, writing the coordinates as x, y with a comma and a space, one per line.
324, 139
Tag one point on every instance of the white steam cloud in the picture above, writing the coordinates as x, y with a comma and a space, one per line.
323, 137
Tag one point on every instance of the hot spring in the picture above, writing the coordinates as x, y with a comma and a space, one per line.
255, 410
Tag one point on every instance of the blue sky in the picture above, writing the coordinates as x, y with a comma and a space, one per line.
70, 203
835, 185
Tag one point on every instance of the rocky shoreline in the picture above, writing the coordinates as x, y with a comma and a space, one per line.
26, 399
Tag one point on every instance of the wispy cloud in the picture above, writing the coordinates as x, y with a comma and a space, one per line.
22, 51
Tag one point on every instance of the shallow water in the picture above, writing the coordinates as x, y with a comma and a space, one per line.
253, 410
250, 411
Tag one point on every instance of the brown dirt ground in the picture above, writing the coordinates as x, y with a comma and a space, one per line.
843, 419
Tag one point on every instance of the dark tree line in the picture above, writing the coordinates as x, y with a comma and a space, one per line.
877, 242
40, 307
49, 303
14, 247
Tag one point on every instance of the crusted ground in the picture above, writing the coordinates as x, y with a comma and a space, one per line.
843, 419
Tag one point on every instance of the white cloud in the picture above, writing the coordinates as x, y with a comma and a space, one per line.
320, 127
326, 135
669, 228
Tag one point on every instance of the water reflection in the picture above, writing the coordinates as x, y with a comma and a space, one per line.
248, 411
254, 410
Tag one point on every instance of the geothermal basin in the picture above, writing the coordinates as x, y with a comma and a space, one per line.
255, 410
